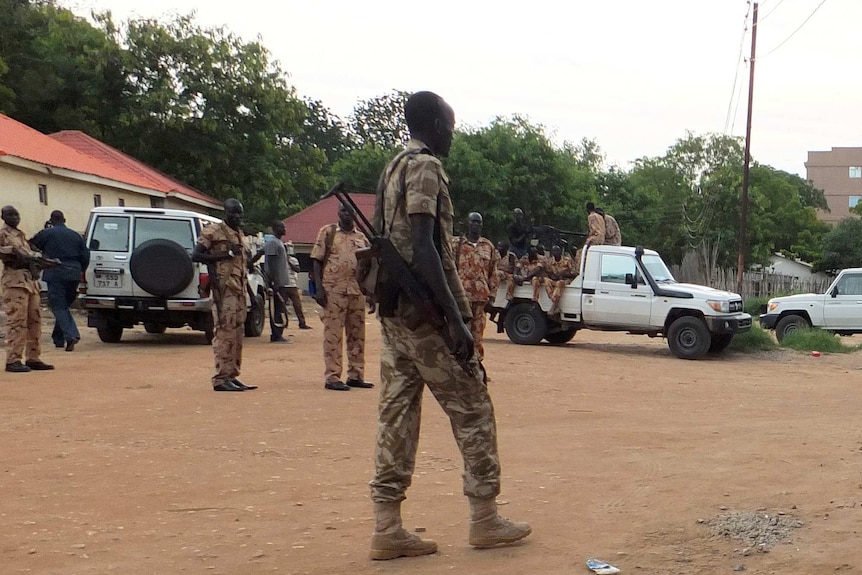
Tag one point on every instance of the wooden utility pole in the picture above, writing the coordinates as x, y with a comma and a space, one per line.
743, 208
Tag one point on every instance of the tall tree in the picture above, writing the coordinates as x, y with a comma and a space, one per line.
61, 71
380, 121
216, 112
842, 246
512, 163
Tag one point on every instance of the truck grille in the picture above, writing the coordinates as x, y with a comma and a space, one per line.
736, 306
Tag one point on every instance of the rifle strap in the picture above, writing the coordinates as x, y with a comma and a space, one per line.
402, 187
329, 239
458, 253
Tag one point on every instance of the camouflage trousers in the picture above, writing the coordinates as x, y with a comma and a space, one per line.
343, 315
229, 330
477, 326
506, 279
23, 324
555, 289
410, 360
538, 283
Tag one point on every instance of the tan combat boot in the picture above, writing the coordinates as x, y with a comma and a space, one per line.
391, 540
488, 529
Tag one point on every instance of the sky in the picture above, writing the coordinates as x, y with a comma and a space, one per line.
634, 75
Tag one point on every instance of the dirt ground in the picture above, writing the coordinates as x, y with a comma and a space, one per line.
124, 461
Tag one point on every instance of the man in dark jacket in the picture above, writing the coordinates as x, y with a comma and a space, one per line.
68, 246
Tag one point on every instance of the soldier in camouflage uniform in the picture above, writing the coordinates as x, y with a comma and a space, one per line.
596, 234
337, 291
613, 237
415, 210
476, 260
506, 268
561, 270
531, 268
221, 247
20, 297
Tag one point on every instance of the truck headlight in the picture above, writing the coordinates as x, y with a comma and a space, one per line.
719, 306
772, 306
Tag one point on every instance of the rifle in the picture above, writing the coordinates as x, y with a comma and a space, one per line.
37, 262
382, 248
546, 232
213, 287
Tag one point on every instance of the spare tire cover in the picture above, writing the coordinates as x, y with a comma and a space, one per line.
161, 267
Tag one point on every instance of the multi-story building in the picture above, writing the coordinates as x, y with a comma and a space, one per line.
839, 174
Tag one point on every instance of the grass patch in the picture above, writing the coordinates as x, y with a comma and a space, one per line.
813, 339
753, 305
756, 339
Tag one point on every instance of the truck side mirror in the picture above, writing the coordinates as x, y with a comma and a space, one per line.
834, 292
632, 281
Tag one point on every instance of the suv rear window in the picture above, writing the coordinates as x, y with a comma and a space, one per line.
110, 234
179, 231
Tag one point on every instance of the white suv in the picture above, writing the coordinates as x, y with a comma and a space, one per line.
141, 271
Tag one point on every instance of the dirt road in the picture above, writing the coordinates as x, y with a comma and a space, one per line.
124, 461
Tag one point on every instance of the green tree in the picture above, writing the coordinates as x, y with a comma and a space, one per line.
360, 169
380, 121
512, 163
325, 131
217, 113
61, 71
842, 246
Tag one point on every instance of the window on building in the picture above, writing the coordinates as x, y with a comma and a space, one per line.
856, 171
121, 202
157, 202
97, 200
43, 194
854, 200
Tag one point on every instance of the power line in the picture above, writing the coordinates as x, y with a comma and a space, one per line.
736, 73
771, 11
804, 22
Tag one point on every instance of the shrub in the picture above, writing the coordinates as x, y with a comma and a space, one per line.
756, 339
813, 339
753, 305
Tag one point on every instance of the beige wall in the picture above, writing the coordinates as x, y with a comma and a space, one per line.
20, 188
830, 171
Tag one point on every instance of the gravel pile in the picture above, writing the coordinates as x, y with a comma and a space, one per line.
759, 530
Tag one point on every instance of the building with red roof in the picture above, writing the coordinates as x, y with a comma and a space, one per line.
73, 172
302, 227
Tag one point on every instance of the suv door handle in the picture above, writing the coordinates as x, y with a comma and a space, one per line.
119, 257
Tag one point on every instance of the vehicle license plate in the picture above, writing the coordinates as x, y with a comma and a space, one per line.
108, 280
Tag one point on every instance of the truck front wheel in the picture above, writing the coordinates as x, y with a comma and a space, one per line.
788, 324
526, 324
720, 342
689, 338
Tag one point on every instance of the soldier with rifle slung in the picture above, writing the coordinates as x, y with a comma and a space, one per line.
414, 212
21, 295
220, 246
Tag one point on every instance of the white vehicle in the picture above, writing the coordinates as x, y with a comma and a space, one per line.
141, 271
839, 310
627, 289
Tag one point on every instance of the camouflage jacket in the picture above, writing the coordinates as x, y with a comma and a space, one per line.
13, 240
220, 238
339, 265
477, 264
425, 191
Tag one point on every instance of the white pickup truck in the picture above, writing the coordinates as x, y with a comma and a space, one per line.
631, 290
839, 310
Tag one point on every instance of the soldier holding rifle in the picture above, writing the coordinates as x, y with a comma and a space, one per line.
220, 246
21, 296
